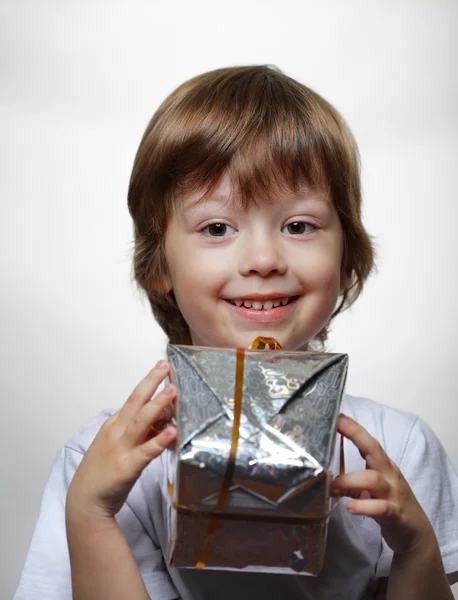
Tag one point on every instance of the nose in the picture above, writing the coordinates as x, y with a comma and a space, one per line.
262, 254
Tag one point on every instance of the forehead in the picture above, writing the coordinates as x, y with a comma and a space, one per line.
226, 194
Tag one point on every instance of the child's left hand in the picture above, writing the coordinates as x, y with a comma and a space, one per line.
381, 492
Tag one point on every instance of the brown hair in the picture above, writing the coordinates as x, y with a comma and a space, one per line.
267, 131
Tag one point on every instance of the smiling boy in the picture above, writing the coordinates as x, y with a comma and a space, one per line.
240, 261
245, 196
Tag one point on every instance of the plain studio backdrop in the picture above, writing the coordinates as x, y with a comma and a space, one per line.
80, 81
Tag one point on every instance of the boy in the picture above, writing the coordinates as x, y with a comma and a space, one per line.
246, 202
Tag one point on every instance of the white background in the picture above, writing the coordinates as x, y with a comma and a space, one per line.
79, 82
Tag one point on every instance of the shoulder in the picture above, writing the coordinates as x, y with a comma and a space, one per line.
391, 427
85, 435
374, 413
405, 438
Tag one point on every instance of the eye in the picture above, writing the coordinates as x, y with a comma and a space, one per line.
298, 228
218, 230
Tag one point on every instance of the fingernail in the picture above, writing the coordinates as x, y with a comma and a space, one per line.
162, 364
169, 390
344, 418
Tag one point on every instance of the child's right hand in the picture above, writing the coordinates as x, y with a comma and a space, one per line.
124, 446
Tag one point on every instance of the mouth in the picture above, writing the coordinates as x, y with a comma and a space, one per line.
263, 310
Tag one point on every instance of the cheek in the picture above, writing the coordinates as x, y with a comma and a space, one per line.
198, 271
321, 270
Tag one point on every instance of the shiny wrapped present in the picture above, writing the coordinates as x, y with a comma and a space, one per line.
251, 472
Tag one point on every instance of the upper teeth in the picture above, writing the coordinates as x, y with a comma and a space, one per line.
262, 305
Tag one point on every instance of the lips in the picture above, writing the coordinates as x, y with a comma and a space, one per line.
263, 310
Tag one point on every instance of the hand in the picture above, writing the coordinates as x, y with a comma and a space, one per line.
124, 446
381, 492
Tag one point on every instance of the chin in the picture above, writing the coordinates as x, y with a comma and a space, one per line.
243, 339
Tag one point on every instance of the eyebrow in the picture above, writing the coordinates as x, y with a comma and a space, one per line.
220, 198
215, 198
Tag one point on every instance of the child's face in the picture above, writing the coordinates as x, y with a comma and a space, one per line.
219, 254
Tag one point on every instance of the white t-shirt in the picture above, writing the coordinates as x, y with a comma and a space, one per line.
356, 555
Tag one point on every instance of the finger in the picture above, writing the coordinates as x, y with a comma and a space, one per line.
143, 392
375, 508
139, 427
369, 448
150, 449
353, 484
169, 412
163, 420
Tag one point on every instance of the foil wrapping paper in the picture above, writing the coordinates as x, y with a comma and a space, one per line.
277, 502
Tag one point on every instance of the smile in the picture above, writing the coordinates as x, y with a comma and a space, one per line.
262, 311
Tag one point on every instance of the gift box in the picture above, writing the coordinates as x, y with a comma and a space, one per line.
249, 479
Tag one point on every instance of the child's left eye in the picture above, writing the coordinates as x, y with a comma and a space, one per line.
217, 230
298, 228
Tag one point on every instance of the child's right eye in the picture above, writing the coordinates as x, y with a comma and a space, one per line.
217, 230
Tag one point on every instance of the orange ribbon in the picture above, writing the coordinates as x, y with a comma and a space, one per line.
260, 343
264, 343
